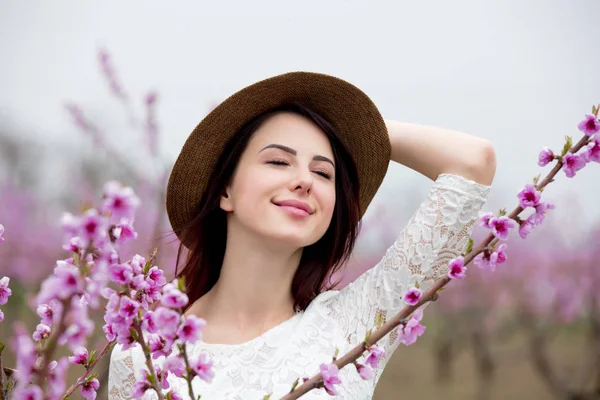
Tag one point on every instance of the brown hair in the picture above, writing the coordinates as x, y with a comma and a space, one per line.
208, 230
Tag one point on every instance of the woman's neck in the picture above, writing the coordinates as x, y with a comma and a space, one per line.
253, 292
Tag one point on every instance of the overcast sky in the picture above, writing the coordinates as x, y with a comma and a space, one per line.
519, 73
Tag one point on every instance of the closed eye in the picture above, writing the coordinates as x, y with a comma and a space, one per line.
278, 162
324, 174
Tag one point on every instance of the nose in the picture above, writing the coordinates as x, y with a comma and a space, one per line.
302, 182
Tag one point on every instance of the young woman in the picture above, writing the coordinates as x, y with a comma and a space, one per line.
267, 195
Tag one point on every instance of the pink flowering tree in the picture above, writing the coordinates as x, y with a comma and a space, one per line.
140, 307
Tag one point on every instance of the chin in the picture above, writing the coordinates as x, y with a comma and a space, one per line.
293, 238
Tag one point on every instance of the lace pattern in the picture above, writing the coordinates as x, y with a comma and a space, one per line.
437, 232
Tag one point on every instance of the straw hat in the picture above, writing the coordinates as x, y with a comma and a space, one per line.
346, 107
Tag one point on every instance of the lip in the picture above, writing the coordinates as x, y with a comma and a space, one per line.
296, 204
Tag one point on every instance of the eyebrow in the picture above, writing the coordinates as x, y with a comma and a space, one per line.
294, 152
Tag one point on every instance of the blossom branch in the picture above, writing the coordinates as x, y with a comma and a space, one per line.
154, 381
107, 348
433, 292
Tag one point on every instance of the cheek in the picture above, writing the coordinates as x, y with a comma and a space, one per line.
327, 200
250, 187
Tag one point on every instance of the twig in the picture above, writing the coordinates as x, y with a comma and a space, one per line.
108, 347
430, 294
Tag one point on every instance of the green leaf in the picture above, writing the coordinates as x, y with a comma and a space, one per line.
134, 334
294, 385
568, 145
379, 319
469, 246
368, 335
181, 284
91, 358
595, 110
502, 212
267, 397
536, 179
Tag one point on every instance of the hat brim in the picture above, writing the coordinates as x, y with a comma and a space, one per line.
350, 111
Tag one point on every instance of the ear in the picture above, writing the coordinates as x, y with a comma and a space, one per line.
225, 202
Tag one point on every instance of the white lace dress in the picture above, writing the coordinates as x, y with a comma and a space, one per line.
438, 232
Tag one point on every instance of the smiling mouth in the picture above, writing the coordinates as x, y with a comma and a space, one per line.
295, 208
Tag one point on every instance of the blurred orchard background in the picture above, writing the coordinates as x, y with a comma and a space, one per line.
94, 91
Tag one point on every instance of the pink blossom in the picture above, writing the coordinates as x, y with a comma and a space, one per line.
408, 334
121, 273
457, 269
1, 233
525, 227
162, 376
120, 201
191, 329
69, 279
75, 245
375, 354
329, 373
113, 298
167, 321
590, 125
26, 353
487, 259
41, 332
173, 298
158, 346
573, 163
500, 226
89, 388
139, 282
540, 212
31, 392
56, 378
129, 308
49, 289
202, 366
80, 356
156, 277
108, 332
484, 219
153, 293
148, 323
592, 151
63, 284
48, 312
141, 385
124, 232
412, 296
137, 264
545, 157
1, 316
125, 339
529, 196
365, 371
76, 334
5, 291
175, 396
175, 364
93, 227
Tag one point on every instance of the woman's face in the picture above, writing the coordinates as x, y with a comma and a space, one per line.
284, 185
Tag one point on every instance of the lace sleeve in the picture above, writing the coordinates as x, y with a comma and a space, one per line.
438, 232
121, 377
